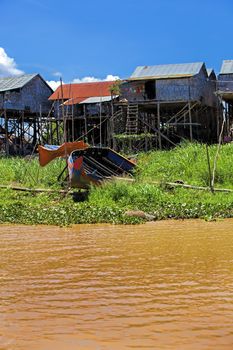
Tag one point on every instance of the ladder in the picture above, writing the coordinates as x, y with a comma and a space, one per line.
132, 119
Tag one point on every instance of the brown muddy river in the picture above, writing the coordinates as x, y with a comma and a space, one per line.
164, 285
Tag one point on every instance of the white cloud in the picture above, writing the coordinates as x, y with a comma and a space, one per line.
8, 66
85, 80
53, 84
109, 77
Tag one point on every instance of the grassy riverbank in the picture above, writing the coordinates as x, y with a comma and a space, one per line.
109, 203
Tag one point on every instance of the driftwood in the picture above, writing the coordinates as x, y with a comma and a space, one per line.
176, 184
126, 179
35, 190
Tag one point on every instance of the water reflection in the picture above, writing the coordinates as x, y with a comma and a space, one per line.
166, 285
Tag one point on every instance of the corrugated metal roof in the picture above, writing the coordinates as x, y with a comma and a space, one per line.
97, 99
227, 67
18, 82
94, 99
82, 91
167, 71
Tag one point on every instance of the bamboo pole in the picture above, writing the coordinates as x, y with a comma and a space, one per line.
100, 124
85, 120
36, 190
6, 132
158, 125
126, 179
209, 168
190, 123
172, 184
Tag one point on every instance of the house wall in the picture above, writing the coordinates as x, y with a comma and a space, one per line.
225, 82
133, 91
173, 89
1, 99
196, 88
32, 98
94, 109
91, 109
35, 94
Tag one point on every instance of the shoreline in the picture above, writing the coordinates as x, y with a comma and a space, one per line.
158, 223
152, 193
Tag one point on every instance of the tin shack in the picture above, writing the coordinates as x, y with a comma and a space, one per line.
173, 101
86, 110
23, 104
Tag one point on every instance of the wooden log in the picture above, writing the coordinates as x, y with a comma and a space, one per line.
126, 179
35, 190
174, 184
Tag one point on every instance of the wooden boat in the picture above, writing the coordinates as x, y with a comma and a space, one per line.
92, 165
49, 152
87, 165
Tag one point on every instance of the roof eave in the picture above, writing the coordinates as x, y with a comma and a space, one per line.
161, 77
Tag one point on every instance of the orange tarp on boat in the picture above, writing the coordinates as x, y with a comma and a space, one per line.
46, 154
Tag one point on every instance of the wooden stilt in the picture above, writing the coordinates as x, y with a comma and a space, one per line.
190, 123
6, 132
158, 125
85, 120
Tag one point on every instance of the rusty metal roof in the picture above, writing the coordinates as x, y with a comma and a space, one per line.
12, 83
167, 71
82, 91
227, 67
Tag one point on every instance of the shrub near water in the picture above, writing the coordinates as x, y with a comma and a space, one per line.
29, 173
187, 163
109, 202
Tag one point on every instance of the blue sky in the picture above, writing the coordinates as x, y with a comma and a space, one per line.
97, 38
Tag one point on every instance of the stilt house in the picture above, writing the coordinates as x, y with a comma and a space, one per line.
23, 103
86, 109
225, 93
171, 102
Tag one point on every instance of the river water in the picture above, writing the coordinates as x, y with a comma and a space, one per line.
163, 285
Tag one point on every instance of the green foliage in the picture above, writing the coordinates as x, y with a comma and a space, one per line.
29, 173
115, 88
133, 137
187, 163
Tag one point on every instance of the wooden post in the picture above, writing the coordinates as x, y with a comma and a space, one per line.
190, 123
100, 121
219, 116
6, 133
209, 168
197, 120
23, 135
158, 125
72, 123
85, 122
57, 132
228, 119
111, 127
146, 144
34, 131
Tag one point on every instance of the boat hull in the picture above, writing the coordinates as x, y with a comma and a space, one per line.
93, 165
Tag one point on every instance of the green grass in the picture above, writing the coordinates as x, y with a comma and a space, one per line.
109, 202
187, 163
27, 172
